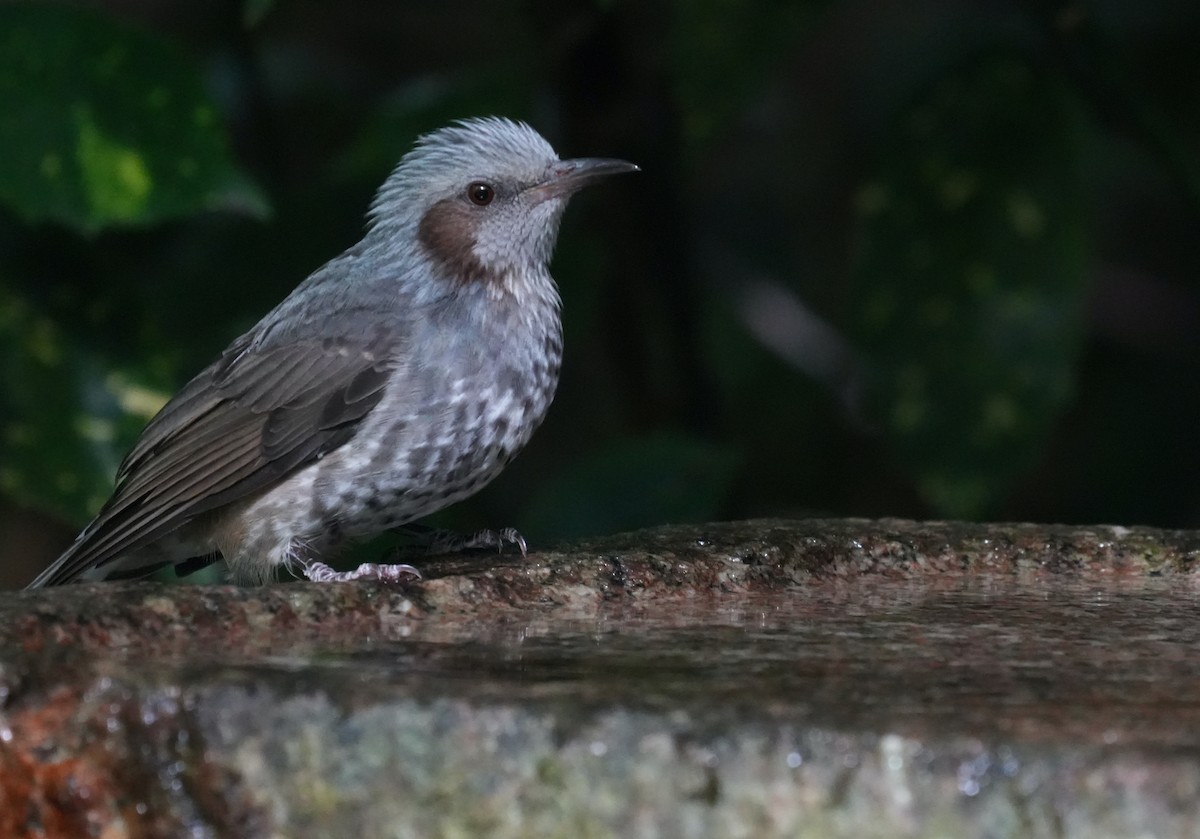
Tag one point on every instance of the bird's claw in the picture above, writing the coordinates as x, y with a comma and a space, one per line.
444, 542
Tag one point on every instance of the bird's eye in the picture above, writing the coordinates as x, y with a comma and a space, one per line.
480, 193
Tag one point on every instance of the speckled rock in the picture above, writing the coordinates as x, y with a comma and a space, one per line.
764, 678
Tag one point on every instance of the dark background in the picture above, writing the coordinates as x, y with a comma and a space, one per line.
917, 258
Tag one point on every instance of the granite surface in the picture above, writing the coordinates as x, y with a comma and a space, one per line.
750, 679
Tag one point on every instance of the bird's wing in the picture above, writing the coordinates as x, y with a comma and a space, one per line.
256, 415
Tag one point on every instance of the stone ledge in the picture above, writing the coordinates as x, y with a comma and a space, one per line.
763, 678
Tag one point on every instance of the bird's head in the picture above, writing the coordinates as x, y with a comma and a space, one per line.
483, 198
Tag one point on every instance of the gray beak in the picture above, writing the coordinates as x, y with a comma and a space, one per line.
566, 176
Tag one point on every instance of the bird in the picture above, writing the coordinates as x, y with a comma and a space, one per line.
400, 377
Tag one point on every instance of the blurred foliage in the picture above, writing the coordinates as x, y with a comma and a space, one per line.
629, 484
722, 55
972, 279
102, 125
71, 413
911, 258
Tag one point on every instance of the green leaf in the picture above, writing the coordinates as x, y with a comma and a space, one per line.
105, 126
971, 279
632, 484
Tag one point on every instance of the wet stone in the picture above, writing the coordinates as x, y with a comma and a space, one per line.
758, 679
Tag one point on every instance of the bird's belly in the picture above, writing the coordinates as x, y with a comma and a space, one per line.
420, 462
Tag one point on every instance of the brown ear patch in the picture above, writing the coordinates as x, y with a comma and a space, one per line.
448, 231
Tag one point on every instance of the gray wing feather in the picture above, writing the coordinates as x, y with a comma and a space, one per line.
248, 420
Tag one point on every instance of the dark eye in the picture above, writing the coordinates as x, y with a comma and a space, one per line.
480, 193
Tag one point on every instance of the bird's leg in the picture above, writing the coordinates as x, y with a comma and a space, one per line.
319, 572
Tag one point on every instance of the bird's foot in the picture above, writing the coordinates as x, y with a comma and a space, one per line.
319, 572
443, 541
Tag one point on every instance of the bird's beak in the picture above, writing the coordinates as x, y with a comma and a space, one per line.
564, 177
